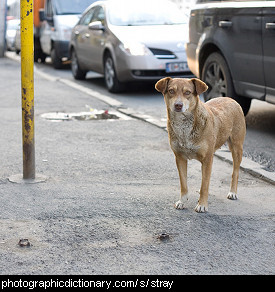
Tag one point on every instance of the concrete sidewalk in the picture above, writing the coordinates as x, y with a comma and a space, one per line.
109, 196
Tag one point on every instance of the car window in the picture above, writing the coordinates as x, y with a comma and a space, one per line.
49, 9
87, 18
144, 12
99, 15
72, 6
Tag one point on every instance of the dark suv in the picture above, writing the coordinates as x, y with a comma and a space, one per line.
232, 49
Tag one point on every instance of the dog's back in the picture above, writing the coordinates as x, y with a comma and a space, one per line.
228, 120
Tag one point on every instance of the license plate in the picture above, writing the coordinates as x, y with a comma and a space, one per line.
177, 67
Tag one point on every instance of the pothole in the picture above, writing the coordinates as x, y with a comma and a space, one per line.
85, 116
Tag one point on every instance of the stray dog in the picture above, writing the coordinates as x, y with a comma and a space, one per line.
196, 130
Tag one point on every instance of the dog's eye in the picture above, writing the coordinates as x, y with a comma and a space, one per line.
171, 91
187, 92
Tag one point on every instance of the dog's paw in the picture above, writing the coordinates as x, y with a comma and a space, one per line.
201, 208
180, 203
232, 196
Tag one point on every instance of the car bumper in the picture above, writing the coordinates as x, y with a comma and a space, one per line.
149, 67
62, 49
192, 58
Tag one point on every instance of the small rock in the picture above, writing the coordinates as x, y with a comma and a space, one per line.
24, 243
163, 236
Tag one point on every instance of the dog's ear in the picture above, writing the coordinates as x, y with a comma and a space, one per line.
162, 84
199, 85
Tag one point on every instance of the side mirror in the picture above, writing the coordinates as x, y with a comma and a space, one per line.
41, 14
96, 25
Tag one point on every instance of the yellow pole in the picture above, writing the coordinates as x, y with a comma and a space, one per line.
27, 90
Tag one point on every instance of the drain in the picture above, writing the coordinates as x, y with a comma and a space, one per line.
84, 116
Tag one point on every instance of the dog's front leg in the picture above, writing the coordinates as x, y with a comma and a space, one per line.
182, 169
206, 167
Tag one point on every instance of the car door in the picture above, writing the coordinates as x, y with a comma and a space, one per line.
268, 29
239, 33
96, 41
81, 34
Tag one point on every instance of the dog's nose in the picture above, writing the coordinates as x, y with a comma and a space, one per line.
178, 106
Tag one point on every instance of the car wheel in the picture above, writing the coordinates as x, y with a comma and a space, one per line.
216, 75
56, 61
39, 55
111, 81
78, 73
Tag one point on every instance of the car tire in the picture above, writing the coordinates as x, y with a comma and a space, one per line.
56, 61
39, 55
112, 83
77, 72
216, 74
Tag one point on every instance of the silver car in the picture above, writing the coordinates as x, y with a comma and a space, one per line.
12, 26
130, 40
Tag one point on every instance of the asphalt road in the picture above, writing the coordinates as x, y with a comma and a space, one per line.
107, 204
143, 99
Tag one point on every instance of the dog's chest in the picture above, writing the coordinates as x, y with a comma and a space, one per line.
182, 136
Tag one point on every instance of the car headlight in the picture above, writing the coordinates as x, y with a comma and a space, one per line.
135, 49
11, 33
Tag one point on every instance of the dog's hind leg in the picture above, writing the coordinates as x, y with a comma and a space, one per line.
236, 148
182, 169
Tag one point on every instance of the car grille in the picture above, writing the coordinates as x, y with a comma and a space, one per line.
159, 73
163, 54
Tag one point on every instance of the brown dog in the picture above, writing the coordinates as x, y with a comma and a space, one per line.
196, 130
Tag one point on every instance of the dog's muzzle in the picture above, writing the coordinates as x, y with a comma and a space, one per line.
179, 106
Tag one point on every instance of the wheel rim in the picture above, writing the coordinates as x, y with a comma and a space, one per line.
74, 63
215, 80
109, 72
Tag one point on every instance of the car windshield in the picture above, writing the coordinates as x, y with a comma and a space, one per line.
149, 12
72, 6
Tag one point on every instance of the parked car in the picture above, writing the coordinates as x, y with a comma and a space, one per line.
129, 41
17, 41
232, 48
57, 20
12, 26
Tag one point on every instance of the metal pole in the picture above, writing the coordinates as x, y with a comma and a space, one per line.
3, 7
26, 14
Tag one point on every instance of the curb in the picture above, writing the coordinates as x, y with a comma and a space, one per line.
248, 165
224, 154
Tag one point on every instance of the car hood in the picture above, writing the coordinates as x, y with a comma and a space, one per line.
167, 37
67, 20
